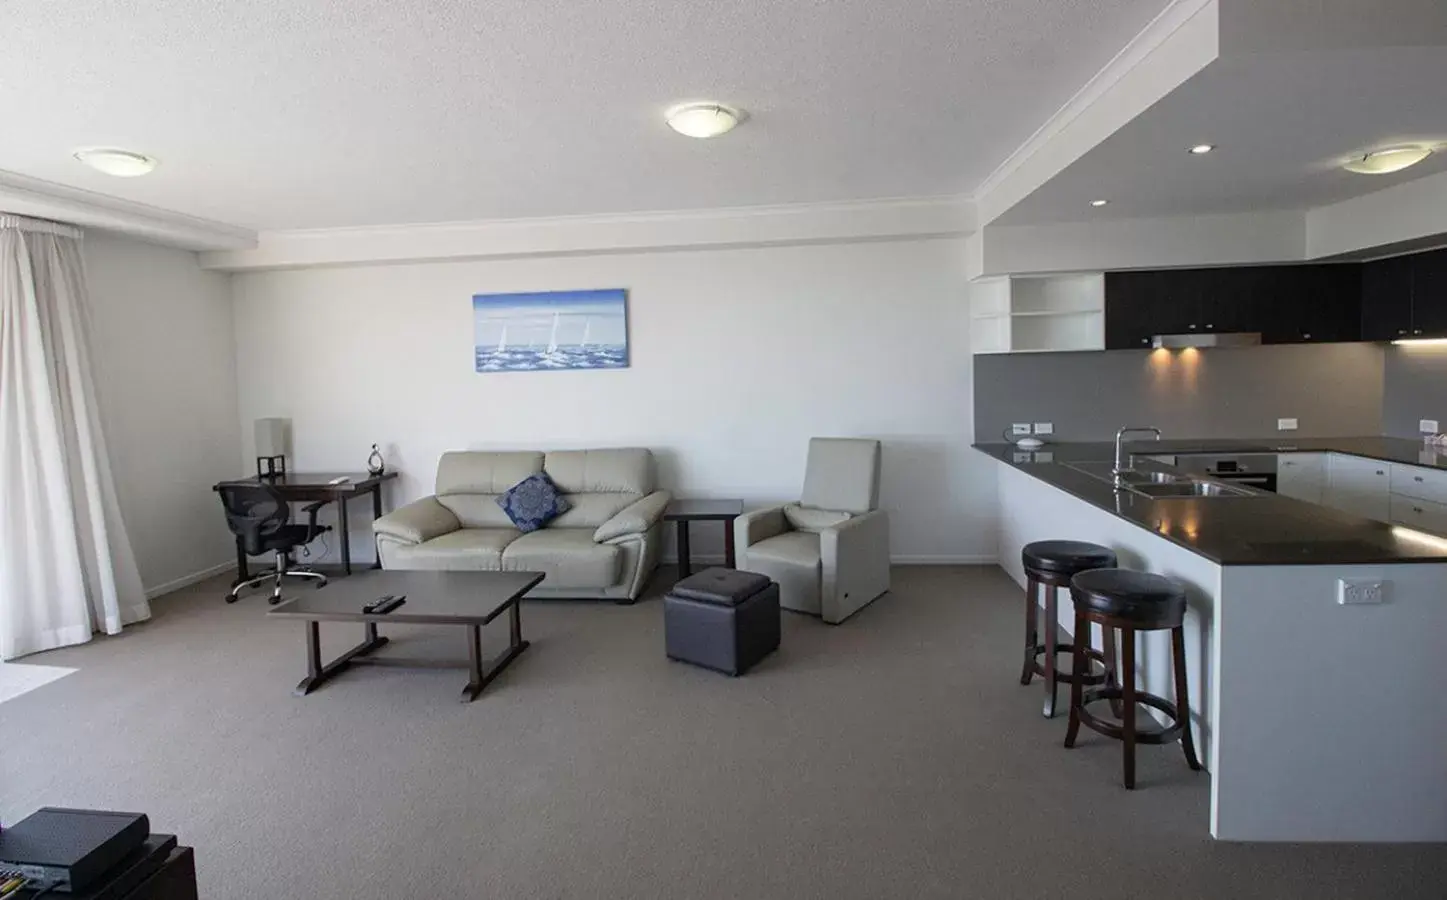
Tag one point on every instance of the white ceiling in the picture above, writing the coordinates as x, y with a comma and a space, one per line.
279, 114
1282, 123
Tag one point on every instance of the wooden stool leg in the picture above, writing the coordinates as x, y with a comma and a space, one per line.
1183, 697
1030, 591
1112, 676
1127, 685
1077, 690
1051, 626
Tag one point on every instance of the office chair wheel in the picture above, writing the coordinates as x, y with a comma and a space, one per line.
273, 600
231, 598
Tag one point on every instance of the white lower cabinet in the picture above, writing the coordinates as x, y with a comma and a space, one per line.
1359, 486
1301, 475
1423, 515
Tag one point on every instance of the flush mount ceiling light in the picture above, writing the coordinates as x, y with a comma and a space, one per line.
120, 163
1202, 149
703, 120
1099, 202
1382, 162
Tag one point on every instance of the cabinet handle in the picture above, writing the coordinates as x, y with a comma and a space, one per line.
1306, 337
1145, 340
1401, 331
1380, 472
1193, 326
1416, 331
1416, 509
1417, 478
1209, 326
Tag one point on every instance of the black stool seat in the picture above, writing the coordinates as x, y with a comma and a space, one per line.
1066, 557
1143, 599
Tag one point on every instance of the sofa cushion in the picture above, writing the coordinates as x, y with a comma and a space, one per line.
484, 472
533, 502
567, 556
809, 518
624, 470
472, 549
592, 510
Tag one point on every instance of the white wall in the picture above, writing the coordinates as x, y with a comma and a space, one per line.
166, 378
738, 357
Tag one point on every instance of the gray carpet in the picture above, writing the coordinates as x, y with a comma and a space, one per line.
893, 756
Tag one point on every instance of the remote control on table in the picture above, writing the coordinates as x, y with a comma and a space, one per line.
377, 604
387, 604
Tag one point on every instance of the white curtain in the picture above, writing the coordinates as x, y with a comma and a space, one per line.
66, 565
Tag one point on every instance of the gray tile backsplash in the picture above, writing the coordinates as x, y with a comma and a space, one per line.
1415, 388
1331, 389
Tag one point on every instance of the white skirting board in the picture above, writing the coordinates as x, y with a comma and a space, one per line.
716, 559
187, 580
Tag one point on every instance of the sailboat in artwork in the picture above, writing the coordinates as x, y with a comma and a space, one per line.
502, 340
587, 330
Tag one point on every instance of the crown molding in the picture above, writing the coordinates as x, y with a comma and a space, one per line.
33, 197
758, 226
1177, 44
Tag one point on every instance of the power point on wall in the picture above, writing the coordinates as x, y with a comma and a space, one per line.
1044, 428
1427, 426
1285, 424
1354, 591
1020, 428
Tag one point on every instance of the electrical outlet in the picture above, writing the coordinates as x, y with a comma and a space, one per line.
1355, 591
1427, 426
1044, 428
1285, 424
1020, 428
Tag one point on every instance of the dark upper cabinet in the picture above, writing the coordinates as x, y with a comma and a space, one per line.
1387, 299
1429, 294
1286, 304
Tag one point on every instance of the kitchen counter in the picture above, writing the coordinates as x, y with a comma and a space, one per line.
1261, 530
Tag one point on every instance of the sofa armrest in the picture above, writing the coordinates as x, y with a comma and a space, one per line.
419, 521
759, 525
635, 518
854, 558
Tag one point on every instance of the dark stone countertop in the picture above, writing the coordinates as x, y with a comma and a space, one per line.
1261, 530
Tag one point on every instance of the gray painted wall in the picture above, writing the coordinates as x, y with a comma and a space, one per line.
1333, 390
1414, 388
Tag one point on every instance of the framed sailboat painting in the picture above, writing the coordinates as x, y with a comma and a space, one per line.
550, 330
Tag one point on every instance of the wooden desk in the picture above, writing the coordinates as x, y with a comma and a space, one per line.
310, 486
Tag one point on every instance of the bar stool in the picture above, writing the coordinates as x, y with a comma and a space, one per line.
1131, 601
1051, 564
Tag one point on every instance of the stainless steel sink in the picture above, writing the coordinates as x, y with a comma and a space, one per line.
1190, 489
1105, 472
1159, 484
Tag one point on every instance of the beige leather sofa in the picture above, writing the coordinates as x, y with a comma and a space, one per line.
606, 545
830, 551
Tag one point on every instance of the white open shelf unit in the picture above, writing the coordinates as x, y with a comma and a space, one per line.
1032, 314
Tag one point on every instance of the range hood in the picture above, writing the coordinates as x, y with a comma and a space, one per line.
1207, 339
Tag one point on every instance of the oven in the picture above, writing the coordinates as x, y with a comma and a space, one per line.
1253, 470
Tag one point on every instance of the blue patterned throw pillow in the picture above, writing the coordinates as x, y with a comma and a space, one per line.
533, 502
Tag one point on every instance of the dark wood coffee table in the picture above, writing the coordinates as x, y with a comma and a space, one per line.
469, 599
685, 511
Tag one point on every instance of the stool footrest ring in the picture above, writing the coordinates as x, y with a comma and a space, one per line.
1163, 734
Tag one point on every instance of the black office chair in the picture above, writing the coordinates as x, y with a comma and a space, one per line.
261, 518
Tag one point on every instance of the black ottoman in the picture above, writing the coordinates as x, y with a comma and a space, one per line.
722, 619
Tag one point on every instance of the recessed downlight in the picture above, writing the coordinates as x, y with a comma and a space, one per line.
1383, 162
1202, 149
1099, 202
120, 163
703, 120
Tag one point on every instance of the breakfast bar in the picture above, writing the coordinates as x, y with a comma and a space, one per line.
1313, 635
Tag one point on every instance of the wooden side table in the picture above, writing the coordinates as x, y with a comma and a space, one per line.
686, 511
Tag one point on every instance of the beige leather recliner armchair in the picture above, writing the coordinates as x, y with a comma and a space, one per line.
606, 545
829, 552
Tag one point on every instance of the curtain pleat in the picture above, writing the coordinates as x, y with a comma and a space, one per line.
66, 564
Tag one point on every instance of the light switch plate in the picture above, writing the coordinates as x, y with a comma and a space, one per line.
1358, 591
1044, 428
1285, 424
1020, 428
1427, 426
